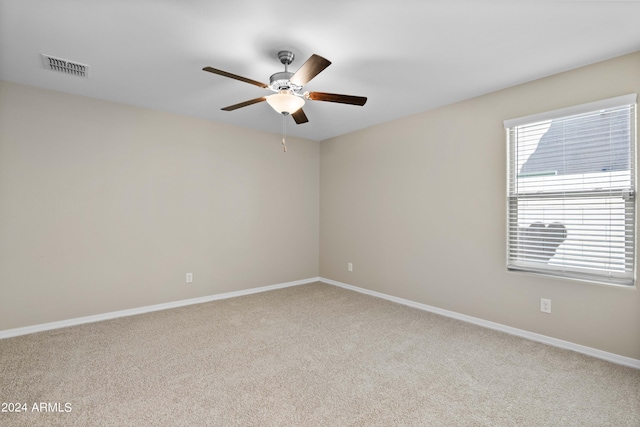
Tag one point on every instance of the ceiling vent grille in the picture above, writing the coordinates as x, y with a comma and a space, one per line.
65, 66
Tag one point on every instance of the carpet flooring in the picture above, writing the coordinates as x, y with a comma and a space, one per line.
309, 355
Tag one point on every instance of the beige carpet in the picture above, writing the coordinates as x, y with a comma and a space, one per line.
311, 355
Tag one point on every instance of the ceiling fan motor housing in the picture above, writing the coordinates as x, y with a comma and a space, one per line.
280, 81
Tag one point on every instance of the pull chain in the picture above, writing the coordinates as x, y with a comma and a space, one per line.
284, 132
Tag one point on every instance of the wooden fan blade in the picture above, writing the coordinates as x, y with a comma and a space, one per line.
234, 76
300, 117
309, 70
244, 104
334, 97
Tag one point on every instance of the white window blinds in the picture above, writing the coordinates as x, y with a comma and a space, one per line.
571, 192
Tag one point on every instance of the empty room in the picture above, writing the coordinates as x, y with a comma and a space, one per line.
297, 213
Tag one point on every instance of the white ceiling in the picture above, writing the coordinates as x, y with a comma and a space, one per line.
405, 56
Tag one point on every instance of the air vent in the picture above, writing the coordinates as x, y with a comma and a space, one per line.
65, 66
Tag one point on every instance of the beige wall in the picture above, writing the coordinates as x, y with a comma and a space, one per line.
105, 207
418, 205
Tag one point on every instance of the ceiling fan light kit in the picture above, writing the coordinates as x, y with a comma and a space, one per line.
284, 102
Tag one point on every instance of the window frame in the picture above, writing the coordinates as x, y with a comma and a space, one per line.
517, 262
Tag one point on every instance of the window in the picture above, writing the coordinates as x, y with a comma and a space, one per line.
571, 192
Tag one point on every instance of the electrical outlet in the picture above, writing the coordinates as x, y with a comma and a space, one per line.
189, 277
349, 267
545, 305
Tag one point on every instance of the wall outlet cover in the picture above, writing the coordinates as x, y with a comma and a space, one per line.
545, 305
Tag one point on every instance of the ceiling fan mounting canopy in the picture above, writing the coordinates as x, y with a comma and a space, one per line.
288, 87
286, 57
282, 81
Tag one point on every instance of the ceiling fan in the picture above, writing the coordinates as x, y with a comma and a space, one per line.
289, 98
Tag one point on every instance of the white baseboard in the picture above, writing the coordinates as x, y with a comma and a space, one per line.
8, 333
611, 357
